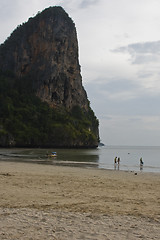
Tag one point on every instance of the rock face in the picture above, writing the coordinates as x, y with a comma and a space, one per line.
42, 57
45, 49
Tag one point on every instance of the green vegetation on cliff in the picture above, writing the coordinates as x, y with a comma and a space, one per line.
26, 121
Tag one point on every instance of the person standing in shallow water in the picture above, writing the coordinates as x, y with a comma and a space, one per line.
115, 163
141, 163
118, 161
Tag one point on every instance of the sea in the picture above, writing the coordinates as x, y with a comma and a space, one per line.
101, 157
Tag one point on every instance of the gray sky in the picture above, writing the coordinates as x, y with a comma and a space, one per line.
119, 54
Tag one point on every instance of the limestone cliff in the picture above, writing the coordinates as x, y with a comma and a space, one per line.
45, 52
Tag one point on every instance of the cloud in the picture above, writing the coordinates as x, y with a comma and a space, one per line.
130, 129
122, 97
146, 122
142, 53
87, 3
115, 89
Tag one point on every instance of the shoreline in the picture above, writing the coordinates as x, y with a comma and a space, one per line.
77, 203
92, 158
83, 165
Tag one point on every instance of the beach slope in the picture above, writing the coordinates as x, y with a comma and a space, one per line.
53, 202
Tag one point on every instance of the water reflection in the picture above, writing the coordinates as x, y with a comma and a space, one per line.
116, 166
141, 167
65, 157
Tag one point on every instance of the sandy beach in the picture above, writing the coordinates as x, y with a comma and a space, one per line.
54, 202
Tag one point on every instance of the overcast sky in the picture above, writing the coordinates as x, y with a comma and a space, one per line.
119, 54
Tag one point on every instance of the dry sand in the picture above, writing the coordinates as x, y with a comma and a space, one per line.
69, 203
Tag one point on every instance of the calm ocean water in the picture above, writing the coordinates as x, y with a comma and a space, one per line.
102, 157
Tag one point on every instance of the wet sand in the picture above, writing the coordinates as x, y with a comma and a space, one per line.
53, 202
